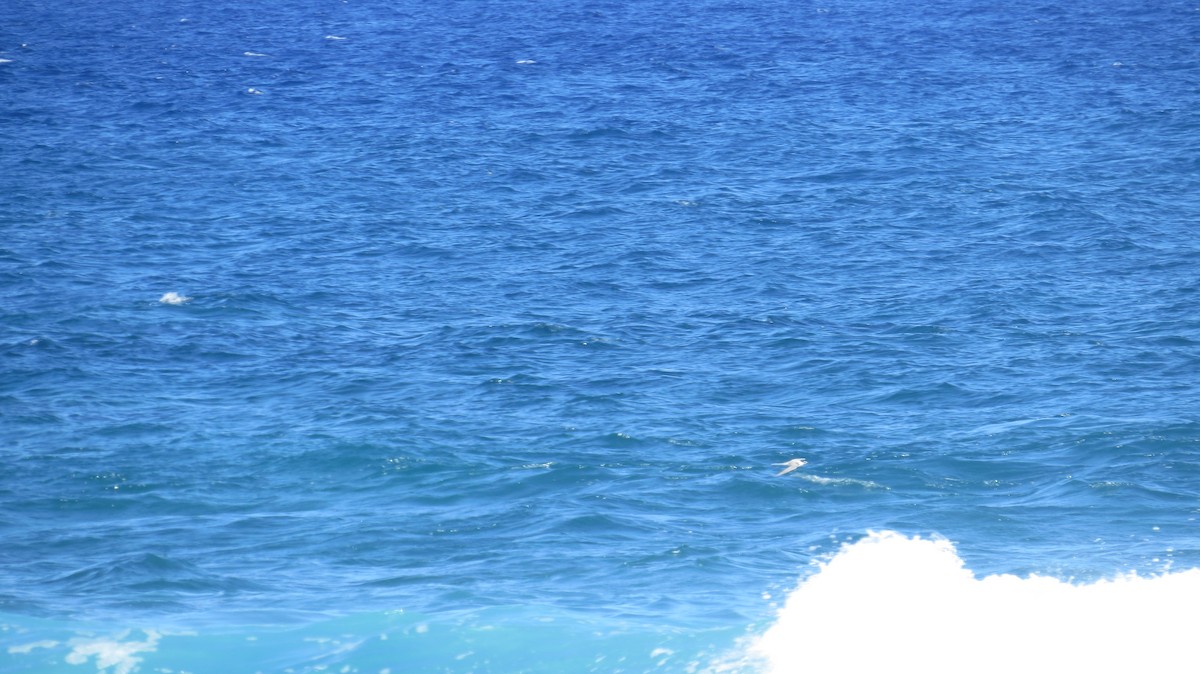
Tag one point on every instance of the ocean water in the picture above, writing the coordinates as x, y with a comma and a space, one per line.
386, 337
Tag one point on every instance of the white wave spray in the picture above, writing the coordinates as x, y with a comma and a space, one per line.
899, 604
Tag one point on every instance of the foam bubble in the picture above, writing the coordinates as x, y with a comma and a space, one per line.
892, 603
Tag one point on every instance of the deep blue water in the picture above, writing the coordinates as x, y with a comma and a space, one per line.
498, 314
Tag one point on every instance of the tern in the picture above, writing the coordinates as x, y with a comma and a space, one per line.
791, 465
173, 298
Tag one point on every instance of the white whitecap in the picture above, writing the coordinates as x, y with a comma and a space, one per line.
5, 60
334, 37
526, 62
918, 607
173, 298
254, 92
252, 53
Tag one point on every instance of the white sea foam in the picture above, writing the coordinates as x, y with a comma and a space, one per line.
898, 604
115, 654
841, 481
252, 53
334, 37
173, 298
29, 648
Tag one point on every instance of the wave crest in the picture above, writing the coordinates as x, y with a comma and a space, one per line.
894, 603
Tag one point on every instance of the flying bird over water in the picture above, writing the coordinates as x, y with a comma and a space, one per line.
173, 298
791, 465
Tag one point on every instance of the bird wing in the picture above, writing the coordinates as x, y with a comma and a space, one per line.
791, 465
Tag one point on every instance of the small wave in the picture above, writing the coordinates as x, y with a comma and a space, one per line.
920, 609
334, 37
530, 466
252, 53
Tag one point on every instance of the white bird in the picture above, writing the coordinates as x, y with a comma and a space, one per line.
791, 465
173, 298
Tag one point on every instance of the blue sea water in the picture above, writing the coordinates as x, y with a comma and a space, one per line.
365, 336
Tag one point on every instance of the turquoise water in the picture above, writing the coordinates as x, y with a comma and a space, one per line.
364, 336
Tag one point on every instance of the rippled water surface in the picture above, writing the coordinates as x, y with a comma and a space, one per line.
464, 319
